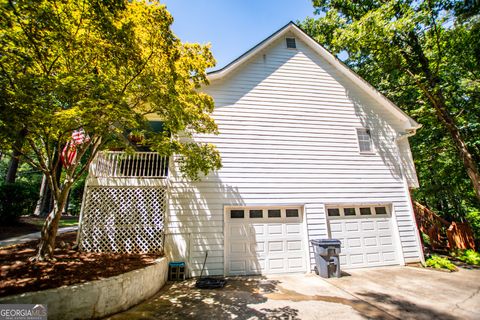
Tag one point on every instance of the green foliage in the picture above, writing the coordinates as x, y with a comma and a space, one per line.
418, 53
100, 66
473, 217
425, 238
16, 200
104, 66
438, 262
468, 256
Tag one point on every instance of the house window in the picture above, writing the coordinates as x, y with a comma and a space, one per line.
291, 43
364, 140
333, 212
237, 214
291, 213
256, 213
349, 211
274, 213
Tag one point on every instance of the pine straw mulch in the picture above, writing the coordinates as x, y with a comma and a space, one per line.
18, 274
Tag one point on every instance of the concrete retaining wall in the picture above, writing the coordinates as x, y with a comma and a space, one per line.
98, 298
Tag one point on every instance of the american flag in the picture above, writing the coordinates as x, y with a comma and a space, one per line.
79, 136
69, 152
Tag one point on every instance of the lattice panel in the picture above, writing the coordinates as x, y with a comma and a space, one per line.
123, 219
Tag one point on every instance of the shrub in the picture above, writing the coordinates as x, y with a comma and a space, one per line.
473, 217
426, 239
438, 262
468, 256
15, 200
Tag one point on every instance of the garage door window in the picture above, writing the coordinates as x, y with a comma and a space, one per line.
291, 213
349, 211
333, 212
357, 211
237, 214
272, 214
256, 213
365, 211
276, 213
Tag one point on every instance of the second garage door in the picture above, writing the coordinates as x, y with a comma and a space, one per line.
367, 235
264, 240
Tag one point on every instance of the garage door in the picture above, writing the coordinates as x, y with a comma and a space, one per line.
366, 234
264, 240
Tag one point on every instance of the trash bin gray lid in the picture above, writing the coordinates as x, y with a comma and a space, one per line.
325, 242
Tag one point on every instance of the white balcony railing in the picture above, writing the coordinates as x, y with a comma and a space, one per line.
119, 164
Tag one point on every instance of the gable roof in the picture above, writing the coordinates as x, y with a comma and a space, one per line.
325, 54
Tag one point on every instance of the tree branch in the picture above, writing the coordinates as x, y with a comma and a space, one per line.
95, 149
40, 158
138, 73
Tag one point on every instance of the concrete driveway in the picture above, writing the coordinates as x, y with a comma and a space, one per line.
379, 293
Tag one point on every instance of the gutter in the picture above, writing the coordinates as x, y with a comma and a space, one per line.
407, 134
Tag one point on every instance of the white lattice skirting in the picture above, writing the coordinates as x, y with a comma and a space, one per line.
123, 219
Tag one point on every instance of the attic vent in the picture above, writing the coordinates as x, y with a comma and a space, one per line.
291, 43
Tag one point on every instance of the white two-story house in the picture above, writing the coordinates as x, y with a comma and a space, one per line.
309, 151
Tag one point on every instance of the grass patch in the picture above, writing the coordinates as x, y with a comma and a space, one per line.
65, 221
68, 222
438, 262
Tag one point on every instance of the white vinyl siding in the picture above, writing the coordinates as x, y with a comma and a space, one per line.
406, 160
287, 136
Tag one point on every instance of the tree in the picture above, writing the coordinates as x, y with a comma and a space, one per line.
424, 55
100, 66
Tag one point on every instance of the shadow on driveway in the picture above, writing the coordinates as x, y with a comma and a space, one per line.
181, 300
289, 297
407, 309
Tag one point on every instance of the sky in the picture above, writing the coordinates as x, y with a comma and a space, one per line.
233, 26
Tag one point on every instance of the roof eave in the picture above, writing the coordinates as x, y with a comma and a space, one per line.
218, 74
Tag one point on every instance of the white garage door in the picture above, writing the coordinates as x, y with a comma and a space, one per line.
366, 234
264, 240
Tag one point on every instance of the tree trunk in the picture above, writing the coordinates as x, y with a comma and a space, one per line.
50, 228
432, 90
465, 155
15, 160
47, 204
40, 207
13, 167
67, 203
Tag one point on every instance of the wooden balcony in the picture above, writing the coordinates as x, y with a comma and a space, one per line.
139, 165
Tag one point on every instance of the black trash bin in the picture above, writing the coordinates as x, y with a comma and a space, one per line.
326, 257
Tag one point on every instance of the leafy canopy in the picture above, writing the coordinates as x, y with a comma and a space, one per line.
101, 66
425, 57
